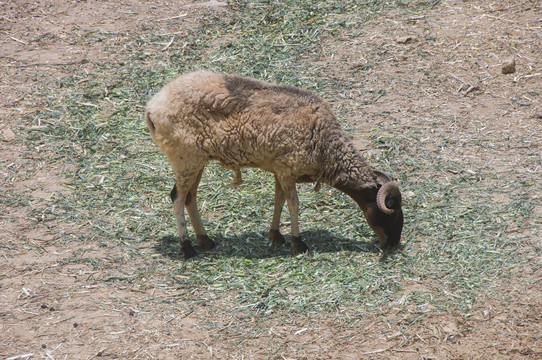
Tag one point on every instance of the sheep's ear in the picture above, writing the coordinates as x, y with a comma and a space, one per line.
382, 177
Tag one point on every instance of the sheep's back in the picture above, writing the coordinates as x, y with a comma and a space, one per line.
242, 122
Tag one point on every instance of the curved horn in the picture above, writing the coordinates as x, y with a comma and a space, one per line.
390, 189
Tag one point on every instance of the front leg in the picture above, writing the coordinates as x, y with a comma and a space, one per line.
298, 246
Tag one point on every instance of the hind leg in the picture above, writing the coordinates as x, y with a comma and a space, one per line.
195, 218
280, 199
180, 195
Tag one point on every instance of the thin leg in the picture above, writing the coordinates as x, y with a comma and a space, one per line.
298, 246
180, 195
178, 209
280, 198
237, 178
191, 204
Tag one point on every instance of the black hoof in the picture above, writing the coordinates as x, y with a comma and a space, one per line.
276, 237
204, 242
188, 250
298, 246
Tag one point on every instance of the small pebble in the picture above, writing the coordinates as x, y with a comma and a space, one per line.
8, 135
509, 66
405, 39
75, 325
52, 309
43, 306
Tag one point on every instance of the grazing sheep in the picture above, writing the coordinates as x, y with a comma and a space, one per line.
290, 132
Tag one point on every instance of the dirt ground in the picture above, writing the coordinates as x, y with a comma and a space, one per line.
51, 308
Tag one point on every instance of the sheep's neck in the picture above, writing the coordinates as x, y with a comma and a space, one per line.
346, 165
353, 176
356, 191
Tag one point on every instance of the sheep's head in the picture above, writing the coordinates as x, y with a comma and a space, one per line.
383, 211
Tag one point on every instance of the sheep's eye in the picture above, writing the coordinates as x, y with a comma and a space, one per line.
390, 203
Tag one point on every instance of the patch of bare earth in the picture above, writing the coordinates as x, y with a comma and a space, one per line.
442, 73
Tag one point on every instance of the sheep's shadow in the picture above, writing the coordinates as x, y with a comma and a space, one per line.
254, 245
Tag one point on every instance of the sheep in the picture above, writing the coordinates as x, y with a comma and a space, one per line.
242, 122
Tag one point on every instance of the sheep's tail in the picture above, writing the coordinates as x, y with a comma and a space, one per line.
149, 122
